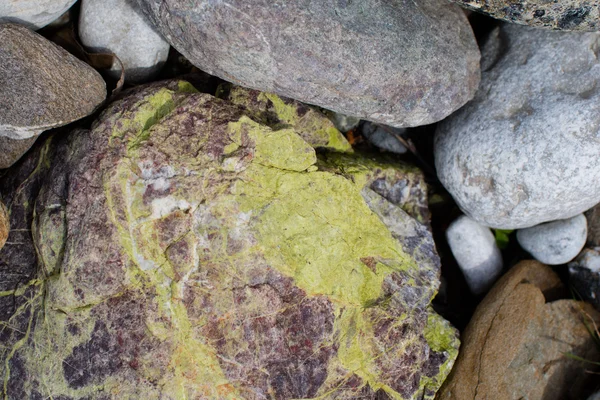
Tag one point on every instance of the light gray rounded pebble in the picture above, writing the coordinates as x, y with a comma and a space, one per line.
476, 252
525, 150
119, 27
384, 137
556, 242
35, 14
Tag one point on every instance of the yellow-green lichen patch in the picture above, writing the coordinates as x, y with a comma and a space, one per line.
282, 149
403, 184
268, 108
441, 338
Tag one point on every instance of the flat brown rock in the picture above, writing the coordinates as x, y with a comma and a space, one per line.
516, 343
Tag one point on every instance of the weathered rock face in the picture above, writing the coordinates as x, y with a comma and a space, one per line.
529, 137
569, 15
41, 87
397, 62
118, 26
33, 13
183, 250
516, 343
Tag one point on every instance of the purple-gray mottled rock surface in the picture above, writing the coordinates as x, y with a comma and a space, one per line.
181, 249
568, 15
525, 150
41, 86
397, 62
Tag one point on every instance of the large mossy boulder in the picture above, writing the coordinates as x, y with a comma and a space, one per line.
181, 249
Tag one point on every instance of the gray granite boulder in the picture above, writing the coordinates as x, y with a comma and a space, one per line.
556, 242
401, 63
33, 13
525, 150
41, 87
569, 15
476, 252
119, 27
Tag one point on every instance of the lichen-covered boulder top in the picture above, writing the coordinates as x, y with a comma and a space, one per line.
181, 249
398, 62
569, 15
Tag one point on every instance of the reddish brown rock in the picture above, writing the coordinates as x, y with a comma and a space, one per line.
516, 345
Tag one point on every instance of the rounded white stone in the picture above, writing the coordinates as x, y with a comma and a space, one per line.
525, 150
476, 252
117, 26
35, 14
556, 242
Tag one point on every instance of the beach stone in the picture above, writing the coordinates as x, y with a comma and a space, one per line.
41, 87
476, 252
384, 137
556, 242
584, 276
568, 15
119, 27
182, 249
508, 155
516, 343
13, 149
397, 62
35, 14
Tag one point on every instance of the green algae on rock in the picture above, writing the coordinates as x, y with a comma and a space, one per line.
183, 248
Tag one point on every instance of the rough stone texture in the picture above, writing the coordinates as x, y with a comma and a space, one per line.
593, 222
514, 346
119, 27
384, 138
397, 62
343, 122
33, 13
41, 85
556, 242
4, 224
584, 276
181, 249
268, 108
529, 137
568, 15
13, 149
476, 252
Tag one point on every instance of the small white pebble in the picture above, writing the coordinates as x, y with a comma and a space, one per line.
476, 252
556, 242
